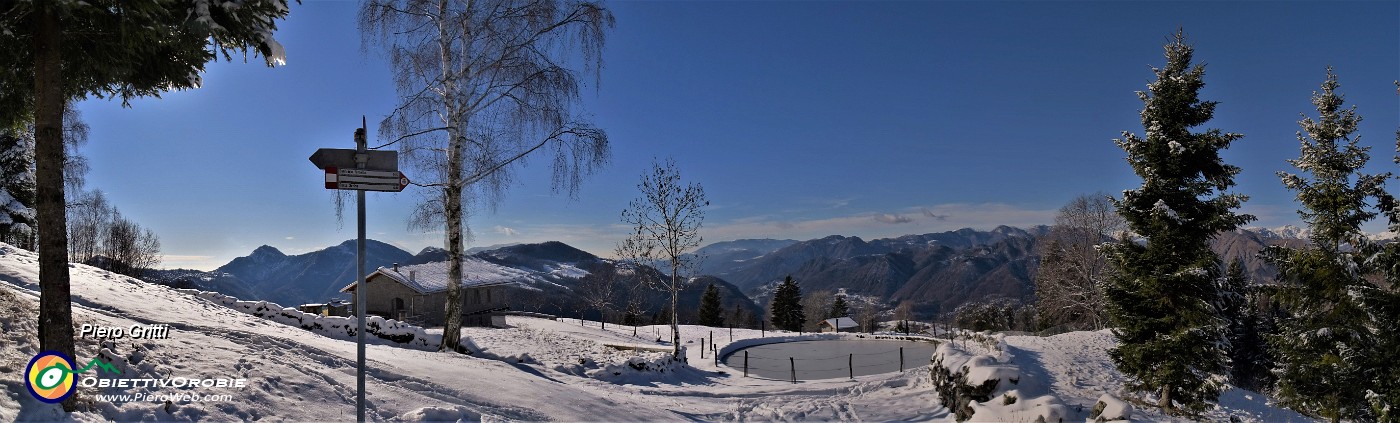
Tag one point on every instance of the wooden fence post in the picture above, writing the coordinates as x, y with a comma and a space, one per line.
793, 364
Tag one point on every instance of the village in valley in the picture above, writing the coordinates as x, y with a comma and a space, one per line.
561, 210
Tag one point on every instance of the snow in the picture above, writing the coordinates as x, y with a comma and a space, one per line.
568, 271
1176, 147
1110, 408
841, 322
432, 277
1161, 207
534, 370
277, 55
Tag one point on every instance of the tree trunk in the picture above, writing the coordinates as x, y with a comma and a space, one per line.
1165, 401
451, 332
452, 193
55, 303
675, 327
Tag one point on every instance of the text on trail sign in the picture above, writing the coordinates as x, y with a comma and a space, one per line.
366, 180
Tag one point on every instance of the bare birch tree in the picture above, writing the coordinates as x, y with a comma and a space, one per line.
129, 249
665, 224
635, 306
482, 85
599, 290
817, 306
1071, 268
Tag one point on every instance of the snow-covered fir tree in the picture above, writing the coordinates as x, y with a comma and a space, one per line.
1323, 344
1383, 306
1163, 298
17, 225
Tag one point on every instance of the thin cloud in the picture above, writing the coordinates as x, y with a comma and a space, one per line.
893, 219
937, 218
600, 239
183, 258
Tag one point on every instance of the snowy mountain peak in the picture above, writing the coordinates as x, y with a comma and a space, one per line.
1282, 232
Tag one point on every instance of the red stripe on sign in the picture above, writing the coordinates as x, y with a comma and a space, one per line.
332, 179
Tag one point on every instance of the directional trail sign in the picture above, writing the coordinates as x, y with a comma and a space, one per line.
360, 169
344, 158
365, 180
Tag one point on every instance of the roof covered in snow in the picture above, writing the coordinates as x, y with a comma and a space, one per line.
843, 322
430, 278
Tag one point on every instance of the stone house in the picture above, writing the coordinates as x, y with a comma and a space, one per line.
418, 294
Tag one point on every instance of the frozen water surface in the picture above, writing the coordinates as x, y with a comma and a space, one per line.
830, 359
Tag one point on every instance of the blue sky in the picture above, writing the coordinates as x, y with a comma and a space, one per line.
801, 120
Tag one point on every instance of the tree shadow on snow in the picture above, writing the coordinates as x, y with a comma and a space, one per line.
531, 370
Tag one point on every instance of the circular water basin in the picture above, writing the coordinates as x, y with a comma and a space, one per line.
829, 359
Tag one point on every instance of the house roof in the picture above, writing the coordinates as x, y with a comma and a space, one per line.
432, 277
843, 322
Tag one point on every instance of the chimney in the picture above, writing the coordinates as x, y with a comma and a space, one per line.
412, 275
396, 267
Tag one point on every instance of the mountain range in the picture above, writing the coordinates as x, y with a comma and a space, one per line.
551, 271
935, 272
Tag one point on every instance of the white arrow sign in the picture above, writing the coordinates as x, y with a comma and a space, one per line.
365, 180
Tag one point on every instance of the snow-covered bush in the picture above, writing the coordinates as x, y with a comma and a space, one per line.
978, 385
639, 369
1110, 408
957, 386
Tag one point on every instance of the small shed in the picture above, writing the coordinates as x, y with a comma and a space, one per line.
313, 309
839, 324
338, 308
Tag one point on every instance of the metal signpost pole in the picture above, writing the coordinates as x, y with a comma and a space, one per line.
361, 157
360, 170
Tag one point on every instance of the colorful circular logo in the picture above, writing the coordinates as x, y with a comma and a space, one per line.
49, 376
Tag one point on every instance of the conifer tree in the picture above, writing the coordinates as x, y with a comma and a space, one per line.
1249, 359
787, 306
1163, 297
839, 308
710, 309
53, 52
1384, 305
1323, 346
17, 219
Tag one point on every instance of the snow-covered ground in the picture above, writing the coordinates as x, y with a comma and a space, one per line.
537, 369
